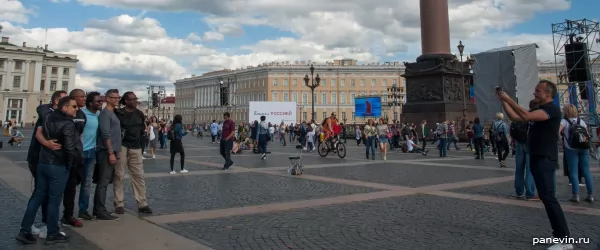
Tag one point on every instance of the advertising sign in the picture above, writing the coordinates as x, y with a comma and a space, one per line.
367, 106
275, 112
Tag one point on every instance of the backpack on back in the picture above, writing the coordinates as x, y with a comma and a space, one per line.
579, 138
438, 130
406, 130
171, 133
498, 135
518, 131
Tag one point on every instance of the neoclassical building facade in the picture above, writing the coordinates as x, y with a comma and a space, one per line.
29, 76
341, 81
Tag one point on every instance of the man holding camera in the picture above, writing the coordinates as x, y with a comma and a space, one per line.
542, 144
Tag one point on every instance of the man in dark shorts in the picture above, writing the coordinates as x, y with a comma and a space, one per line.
542, 144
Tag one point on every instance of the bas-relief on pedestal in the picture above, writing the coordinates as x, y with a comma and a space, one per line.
434, 90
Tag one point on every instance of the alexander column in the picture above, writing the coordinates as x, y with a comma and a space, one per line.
434, 83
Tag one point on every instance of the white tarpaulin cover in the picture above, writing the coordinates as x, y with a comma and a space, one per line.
512, 68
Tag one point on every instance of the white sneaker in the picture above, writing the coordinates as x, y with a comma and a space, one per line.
561, 247
172, 172
35, 230
43, 233
153, 156
183, 171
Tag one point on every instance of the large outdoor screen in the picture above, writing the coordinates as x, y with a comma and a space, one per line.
367, 106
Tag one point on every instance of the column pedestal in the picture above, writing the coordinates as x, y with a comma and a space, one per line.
434, 90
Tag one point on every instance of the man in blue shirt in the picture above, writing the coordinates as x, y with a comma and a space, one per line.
93, 104
214, 127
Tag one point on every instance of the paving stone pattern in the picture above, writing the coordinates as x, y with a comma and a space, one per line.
163, 166
405, 174
205, 192
395, 223
12, 208
487, 162
250, 160
563, 191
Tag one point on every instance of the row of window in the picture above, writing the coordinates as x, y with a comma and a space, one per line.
324, 82
16, 84
242, 117
19, 66
333, 82
326, 98
55, 71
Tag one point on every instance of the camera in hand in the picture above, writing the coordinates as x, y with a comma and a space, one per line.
498, 89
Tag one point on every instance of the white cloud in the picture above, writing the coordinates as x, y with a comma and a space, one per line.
213, 36
123, 52
130, 26
60, 1
207, 37
136, 51
14, 11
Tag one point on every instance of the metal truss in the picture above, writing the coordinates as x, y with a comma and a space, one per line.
586, 32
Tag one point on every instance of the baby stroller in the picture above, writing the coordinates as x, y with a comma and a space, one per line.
296, 166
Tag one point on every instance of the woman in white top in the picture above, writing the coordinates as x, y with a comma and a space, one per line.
382, 132
577, 154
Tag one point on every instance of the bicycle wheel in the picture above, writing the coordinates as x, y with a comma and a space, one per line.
322, 149
341, 150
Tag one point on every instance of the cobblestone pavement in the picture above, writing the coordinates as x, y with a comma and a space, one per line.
409, 201
12, 207
411, 222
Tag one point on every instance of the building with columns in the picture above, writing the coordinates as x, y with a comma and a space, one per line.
29, 76
342, 80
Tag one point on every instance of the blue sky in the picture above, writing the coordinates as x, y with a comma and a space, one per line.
134, 43
47, 12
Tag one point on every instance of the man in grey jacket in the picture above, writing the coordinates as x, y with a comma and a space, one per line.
108, 150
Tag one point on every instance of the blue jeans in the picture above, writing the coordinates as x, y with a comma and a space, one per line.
89, 163
370, 144
579, 159
443, 147
50, 182
523, 177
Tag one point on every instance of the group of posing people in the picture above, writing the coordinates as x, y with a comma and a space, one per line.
77, 142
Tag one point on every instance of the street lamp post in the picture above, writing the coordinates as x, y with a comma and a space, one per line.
394, 99
195, 111
312, 83
461, 48
469, 62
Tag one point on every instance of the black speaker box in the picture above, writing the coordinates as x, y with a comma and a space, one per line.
577, 66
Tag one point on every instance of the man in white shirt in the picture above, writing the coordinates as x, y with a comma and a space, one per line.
310, 138
272, 132
411, 147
